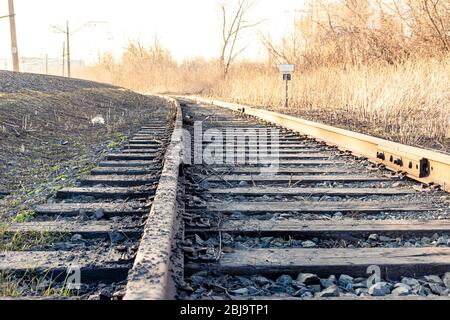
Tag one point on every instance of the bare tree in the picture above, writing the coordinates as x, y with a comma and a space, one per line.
235, 14
434, 10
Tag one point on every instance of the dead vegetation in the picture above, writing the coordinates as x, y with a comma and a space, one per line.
408, 103
375, 66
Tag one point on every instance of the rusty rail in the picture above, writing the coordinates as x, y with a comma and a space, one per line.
426, 166
151, 277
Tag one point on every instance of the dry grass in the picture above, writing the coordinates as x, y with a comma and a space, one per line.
376, 66
409, 103
152, 69
32, 283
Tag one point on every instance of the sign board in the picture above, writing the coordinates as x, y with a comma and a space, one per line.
286, 68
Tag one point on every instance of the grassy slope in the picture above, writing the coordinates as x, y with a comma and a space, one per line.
46, 134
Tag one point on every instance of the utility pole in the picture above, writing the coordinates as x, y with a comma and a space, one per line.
68, 48
63, 58
66, 31
46, 63
14, 49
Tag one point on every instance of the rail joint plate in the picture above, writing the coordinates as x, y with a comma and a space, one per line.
402, 161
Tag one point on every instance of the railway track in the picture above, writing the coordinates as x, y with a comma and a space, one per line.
320, 224
274, 215
82, 243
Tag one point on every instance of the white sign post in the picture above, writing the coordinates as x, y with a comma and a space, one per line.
287, 70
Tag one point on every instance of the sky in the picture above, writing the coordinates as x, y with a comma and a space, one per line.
188, 28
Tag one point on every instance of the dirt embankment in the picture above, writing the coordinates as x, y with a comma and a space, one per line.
47, 132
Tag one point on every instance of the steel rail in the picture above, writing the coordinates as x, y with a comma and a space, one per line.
426, 166
151, 276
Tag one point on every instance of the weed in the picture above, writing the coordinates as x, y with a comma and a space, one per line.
117, 141
34, 283
86, 169
24, 215
19, 241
